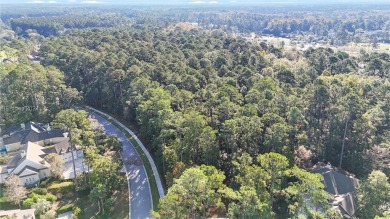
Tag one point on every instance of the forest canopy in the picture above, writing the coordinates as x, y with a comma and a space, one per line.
233, 124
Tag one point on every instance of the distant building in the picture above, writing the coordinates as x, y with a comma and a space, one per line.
342, 185
16, 137
19, 214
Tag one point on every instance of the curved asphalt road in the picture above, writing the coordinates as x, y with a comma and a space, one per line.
140, 195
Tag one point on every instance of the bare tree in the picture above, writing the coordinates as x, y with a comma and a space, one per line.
14, 190
56, 164
303, 156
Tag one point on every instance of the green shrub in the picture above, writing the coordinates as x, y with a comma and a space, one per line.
40, 191
3, 199
45, 182
65, 208
50, 197
28, 202
33, 198
62, 187
76, 212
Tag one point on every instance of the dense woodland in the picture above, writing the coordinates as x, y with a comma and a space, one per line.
246, 118
337, 25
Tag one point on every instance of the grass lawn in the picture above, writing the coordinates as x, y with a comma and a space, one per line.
145, 161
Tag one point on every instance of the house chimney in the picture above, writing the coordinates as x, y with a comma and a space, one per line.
23, 126
23, 153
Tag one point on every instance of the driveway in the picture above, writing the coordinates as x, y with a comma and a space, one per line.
80, 168
140, 195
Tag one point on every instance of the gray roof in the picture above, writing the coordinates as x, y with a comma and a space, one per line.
337, 181
60, 147
32, 132
55, 133
341, 184
346, 203
15, 161
28, 168
14, 138
28, 126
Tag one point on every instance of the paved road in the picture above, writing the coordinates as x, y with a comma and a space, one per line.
140, 195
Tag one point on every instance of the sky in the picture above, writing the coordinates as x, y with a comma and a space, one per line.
194, 2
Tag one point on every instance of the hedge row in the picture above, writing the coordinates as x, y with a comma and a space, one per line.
62, 187
65, 208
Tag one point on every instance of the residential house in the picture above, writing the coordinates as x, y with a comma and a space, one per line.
63, 149
29, 165
342, 185
19, 214
16, 137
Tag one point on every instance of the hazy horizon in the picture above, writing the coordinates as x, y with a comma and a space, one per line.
195, 2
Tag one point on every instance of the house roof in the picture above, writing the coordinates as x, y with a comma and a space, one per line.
38, 127
55, 133
336, 181
341, 184
61, 147
32, 152
28, 171
31, 132
345, 203
15, 137
14, 161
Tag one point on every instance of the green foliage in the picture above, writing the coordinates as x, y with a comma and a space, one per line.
33, 92
374, 197
272, 182
62, 187
76, 123
39, 191
33, 198
41, 206
306, 183
4, 159
197, 190
250, 109
104, 179
76, 212
65, 208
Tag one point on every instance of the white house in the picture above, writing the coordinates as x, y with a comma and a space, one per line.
29, 165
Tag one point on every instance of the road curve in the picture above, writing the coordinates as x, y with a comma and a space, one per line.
139, 188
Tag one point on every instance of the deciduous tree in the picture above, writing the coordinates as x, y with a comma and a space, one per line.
14, 190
